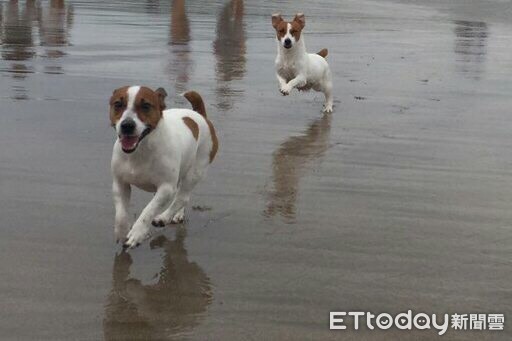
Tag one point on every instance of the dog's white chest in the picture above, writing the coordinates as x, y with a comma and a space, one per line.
140, 182
287, 70
136, 174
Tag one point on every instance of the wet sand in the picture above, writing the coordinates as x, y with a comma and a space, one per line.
398, 200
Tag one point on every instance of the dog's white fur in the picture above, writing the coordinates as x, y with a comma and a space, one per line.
168, 161
295, 68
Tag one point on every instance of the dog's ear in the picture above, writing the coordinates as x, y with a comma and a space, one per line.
161, 93
276, 19
300, 19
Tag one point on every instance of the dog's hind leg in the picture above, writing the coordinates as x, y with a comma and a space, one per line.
327, 89
189, 182
175, 213
164, 218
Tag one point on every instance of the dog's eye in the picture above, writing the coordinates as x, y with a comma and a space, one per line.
292, 32
282, 31
118, 105
145, 106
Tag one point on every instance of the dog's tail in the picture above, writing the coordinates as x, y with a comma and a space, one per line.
198, 105
197, 102
323, 53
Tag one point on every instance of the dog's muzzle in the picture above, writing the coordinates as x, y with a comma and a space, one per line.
129, 141
287, 43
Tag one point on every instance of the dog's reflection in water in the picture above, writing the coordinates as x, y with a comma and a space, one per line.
291, 161
165, 310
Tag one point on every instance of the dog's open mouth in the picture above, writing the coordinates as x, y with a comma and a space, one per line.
130, 142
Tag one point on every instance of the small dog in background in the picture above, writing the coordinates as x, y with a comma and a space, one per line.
294, 66
162, 151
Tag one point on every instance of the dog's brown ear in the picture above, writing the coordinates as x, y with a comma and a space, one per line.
301, 19
276, 19
161, 93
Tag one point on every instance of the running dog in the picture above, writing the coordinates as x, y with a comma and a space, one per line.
295, 68
162, 151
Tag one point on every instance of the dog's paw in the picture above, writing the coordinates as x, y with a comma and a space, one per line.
137, 235
121, 228
120, 237
162, 219
285, 90
119, 234
158, 222
328, 108
179, 217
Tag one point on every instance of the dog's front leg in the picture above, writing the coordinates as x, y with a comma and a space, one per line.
282, 84
121, 192
161, 200
297, 82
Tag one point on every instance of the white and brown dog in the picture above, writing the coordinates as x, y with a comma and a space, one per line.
162, 151
295, 67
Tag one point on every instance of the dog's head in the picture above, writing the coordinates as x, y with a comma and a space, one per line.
288, 33
134, 112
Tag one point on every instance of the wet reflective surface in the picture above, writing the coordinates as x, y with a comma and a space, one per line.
179, 38
229, 49
26, 26
169, 307
290, 164
398, 200
471, 46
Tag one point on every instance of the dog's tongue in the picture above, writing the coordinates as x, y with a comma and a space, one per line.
129, 142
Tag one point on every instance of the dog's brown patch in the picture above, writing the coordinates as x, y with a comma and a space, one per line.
192, 125
118, 102
295, 30
298, 24
149, 105
282, 29
323, 53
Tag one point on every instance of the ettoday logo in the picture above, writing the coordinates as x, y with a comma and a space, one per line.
408, 321
384, 321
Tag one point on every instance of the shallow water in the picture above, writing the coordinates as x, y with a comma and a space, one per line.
398, 200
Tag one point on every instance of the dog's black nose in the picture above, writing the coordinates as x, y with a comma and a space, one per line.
287, 42
128, 126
